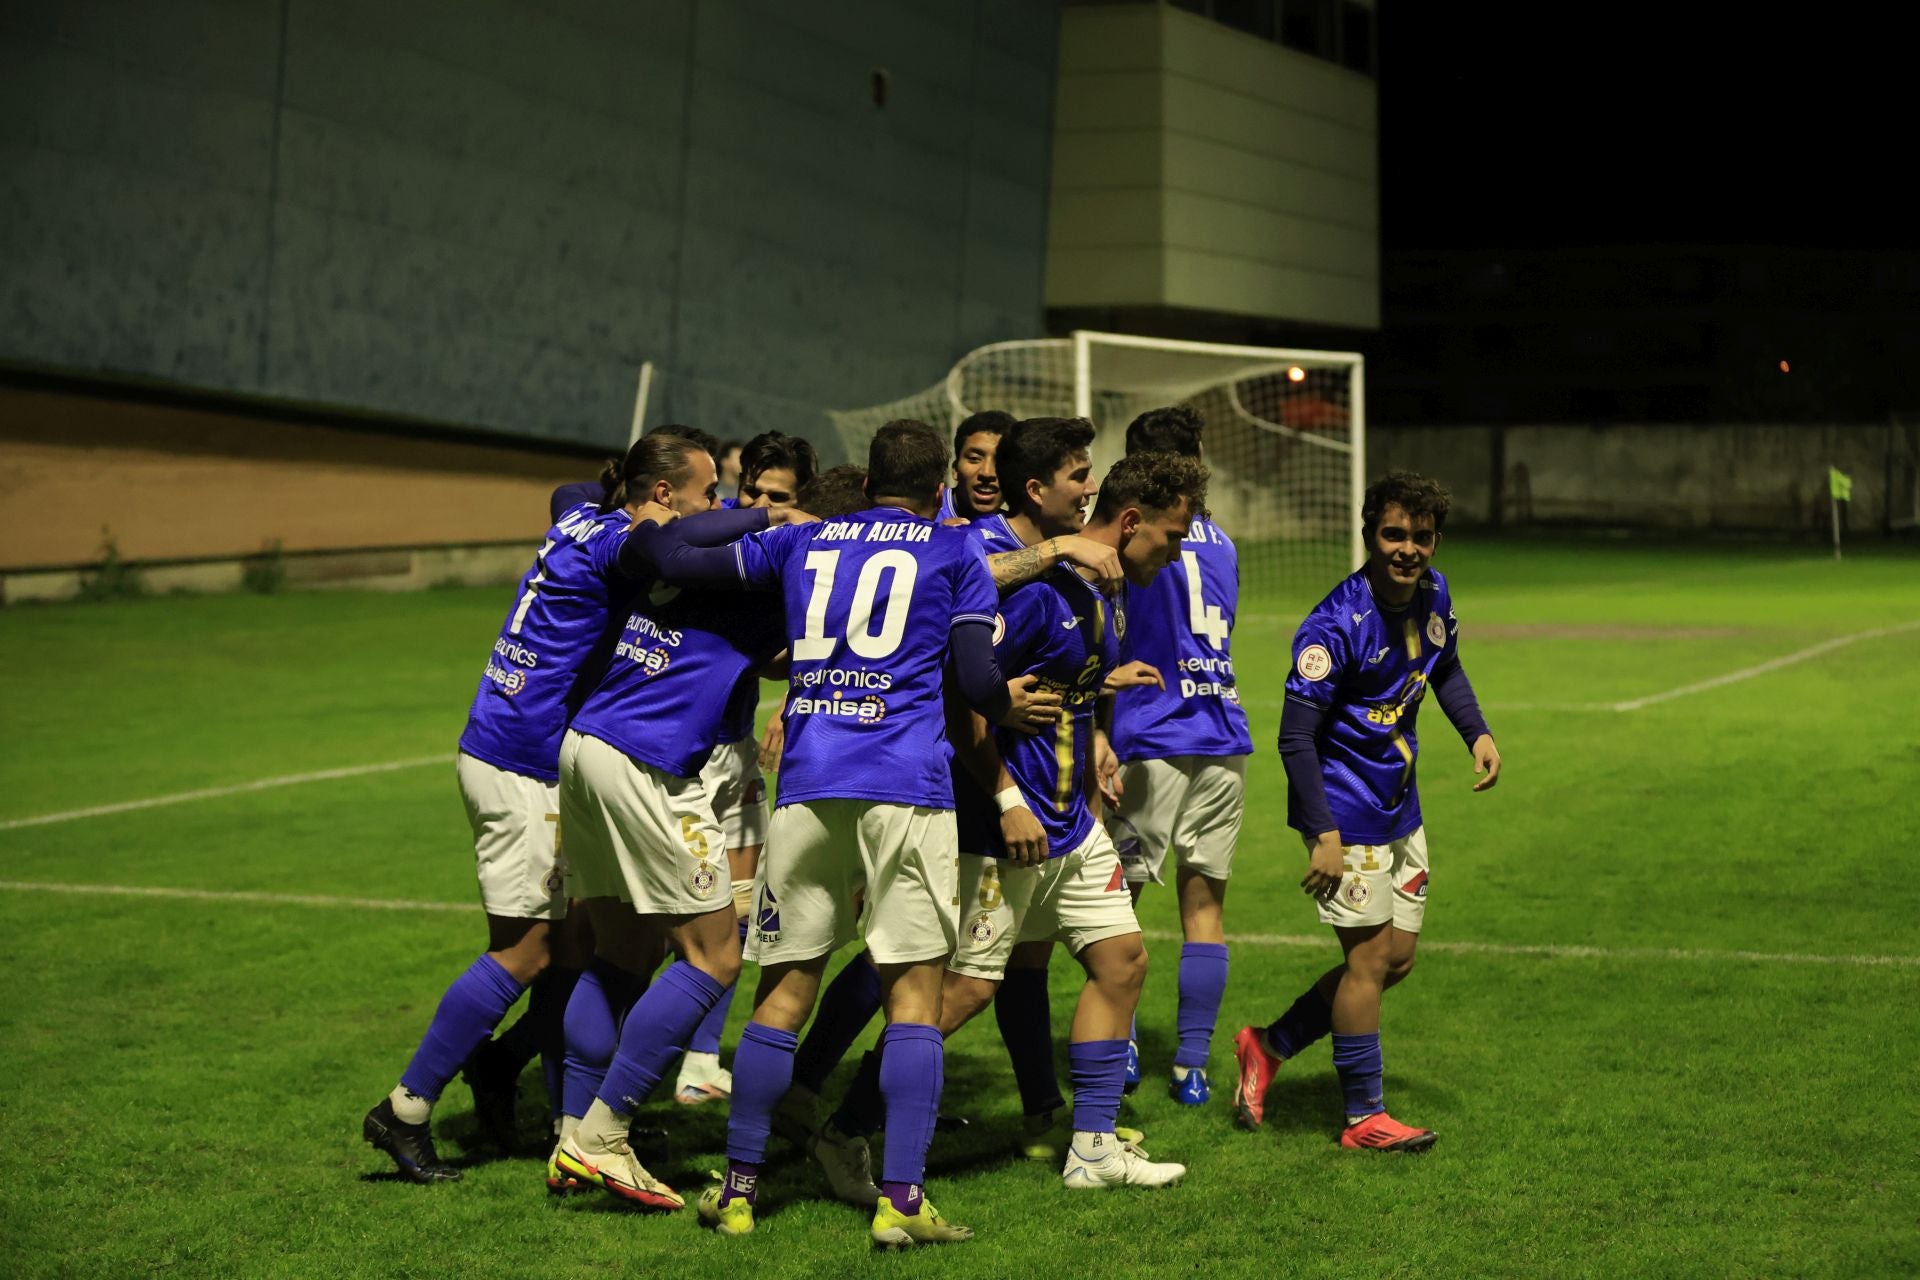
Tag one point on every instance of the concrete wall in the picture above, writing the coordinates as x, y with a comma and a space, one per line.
490, 213
1661, 477
169, 483
1199, 167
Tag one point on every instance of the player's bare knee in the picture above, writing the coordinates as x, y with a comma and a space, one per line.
962, 996
1398, 968
1119, 965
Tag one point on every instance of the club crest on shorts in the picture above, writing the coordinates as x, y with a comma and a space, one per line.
556, 881
1355, 891
1314, 662
1437, 630
981, 931
703, 880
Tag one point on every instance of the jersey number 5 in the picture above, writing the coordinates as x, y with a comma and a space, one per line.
1208, 621
815, 645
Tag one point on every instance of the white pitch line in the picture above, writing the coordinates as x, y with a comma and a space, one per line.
1548, 951
1575, 952
1748, 673
240, 788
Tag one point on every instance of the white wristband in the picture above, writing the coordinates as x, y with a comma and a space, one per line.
1009, 799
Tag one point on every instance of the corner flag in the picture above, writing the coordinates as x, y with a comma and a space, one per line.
1839, 484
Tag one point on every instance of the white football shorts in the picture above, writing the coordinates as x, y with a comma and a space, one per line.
1078, 899
1190, 804
637, 834
823, 855
516, 840
1383, 882
738, 792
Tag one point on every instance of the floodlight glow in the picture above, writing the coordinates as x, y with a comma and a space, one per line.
1296, 374
1785, 367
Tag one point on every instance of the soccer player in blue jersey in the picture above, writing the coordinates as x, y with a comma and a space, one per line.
1362, 662
879, 604
1182, 746
1043, 870
773, 467
975, 491
547, 652
645, 848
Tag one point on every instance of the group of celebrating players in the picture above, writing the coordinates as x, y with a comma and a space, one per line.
1002, 712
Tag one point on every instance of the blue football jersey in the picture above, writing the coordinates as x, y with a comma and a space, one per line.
551, 647
683, 656
1368, 668
994, 534
871, 598
1064, 631
1182, 626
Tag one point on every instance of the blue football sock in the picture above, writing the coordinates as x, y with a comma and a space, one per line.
656, 1032
912, 1073
552, 992
1357, 1059
1098, 1069
846, 1007
762, 1074
1203, 981
599, 1004
1026, 1025
1304, 1022
706, 1036
862, 1111
467, 1015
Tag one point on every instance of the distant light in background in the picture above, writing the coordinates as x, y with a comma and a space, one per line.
1297, 374
1785, 367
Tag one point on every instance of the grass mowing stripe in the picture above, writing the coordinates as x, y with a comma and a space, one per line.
214, 793
1546, 950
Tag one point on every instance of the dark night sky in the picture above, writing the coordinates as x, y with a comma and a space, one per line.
1547, 125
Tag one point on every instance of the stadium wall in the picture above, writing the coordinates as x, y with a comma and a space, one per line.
1735, 477
195, 496
489, 214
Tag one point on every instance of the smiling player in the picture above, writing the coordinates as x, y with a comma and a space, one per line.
1362, 661
975, 491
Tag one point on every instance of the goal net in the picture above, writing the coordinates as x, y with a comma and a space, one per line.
1285, 436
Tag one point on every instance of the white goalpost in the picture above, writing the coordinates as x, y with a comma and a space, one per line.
1285, 436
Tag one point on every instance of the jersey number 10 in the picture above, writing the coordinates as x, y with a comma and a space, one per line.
815, 645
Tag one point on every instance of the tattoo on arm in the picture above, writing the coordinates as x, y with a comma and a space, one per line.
1012, 568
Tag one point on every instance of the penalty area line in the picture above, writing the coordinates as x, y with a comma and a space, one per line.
214, 793
1547, 951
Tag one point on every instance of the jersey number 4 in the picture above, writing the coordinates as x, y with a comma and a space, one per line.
1208, 621
815, 644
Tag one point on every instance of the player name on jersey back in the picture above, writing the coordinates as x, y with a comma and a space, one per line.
551, 647
870, 600
1181, 625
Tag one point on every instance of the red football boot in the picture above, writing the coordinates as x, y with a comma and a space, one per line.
1381, 1132
1257, 1068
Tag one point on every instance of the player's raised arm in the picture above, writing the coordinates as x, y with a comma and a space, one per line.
1015, 568
696, 549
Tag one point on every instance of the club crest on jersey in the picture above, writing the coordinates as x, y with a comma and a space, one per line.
1119, 622
1356, 892
1436, 630
703, 880
981, 931
999, 629
1314, 663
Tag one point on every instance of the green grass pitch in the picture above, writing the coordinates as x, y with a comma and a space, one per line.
1694, 1086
